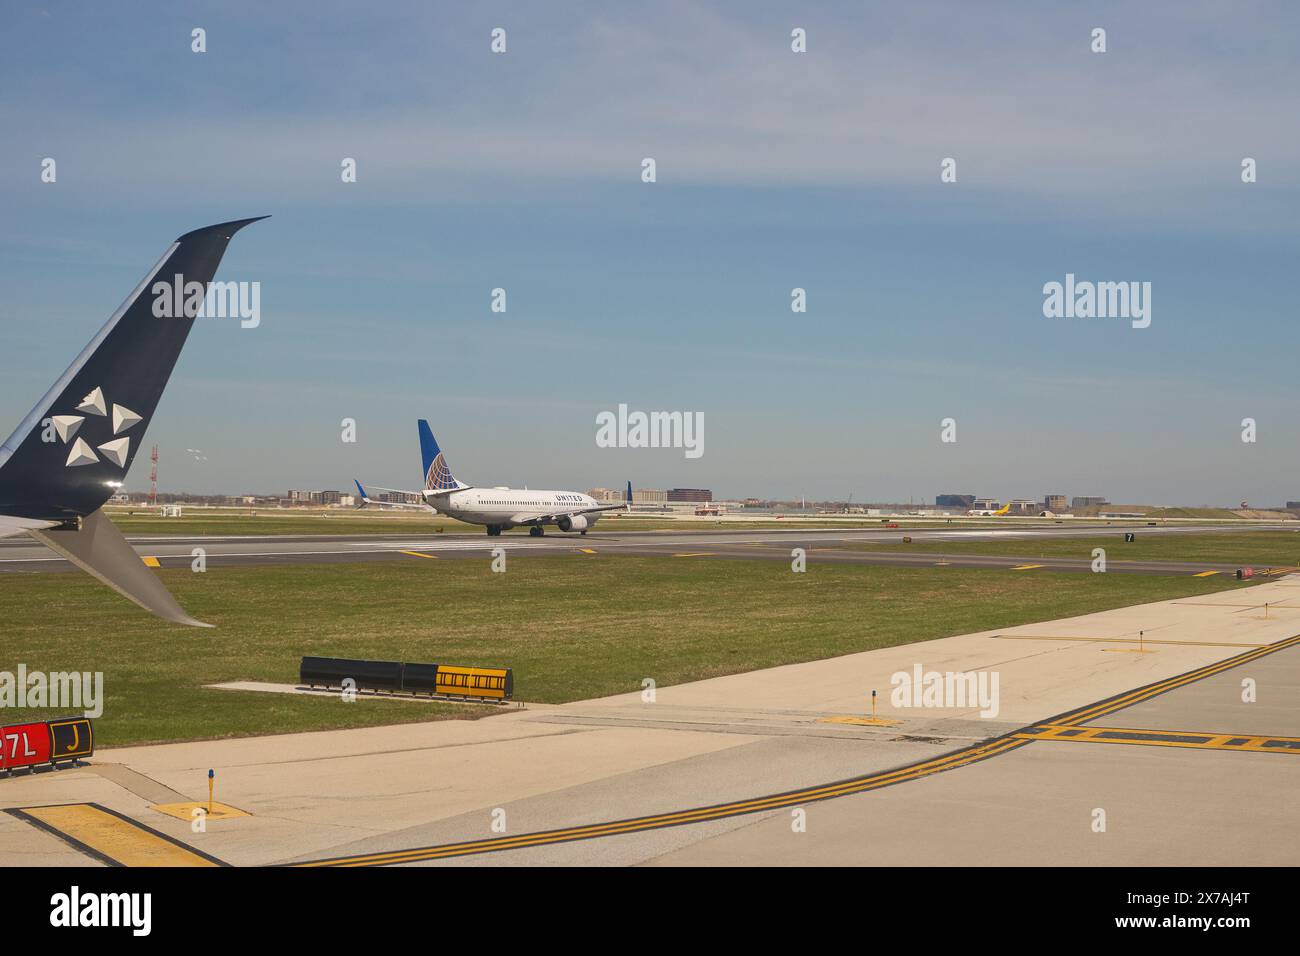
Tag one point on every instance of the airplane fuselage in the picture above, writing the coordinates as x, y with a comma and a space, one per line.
512, 507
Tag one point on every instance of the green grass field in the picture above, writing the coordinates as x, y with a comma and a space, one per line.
1255, 548
571, 628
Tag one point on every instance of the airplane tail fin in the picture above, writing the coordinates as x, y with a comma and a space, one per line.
437, 476
97, 547
628, 500
72, 451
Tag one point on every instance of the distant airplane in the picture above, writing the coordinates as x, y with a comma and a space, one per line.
73, 450
987, 513
497, 508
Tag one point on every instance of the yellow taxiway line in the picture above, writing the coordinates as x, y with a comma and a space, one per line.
792, 798
420, 554
702, 814
1252, 743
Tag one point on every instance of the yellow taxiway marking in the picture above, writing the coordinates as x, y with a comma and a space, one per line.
1120, 640
791, 798
151, 562
698, 815
113, 838
1204, 574
693, 554
587, 550
1094, 711
185, 811
420, 554
862, 721
1253, 743
1028, 567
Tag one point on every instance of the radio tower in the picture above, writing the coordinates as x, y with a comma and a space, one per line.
153, 478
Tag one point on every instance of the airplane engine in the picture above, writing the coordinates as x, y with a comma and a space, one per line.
574, 523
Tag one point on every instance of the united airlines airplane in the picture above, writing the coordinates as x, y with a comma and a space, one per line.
73, 450
497, 508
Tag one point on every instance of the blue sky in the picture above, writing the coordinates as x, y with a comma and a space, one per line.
775, 170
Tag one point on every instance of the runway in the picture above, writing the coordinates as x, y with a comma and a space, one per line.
837, 546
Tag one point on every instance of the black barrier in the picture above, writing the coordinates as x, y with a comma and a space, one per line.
420, 678
368, 675
436, 680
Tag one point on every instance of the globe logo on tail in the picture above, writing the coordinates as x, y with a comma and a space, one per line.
439, 477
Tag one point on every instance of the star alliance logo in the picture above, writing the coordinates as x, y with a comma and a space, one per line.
116, 451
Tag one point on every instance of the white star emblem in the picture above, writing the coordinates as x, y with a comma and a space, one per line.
115, 451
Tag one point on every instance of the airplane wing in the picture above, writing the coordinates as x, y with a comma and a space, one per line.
367, 500
551, 517
12, 526
73, 450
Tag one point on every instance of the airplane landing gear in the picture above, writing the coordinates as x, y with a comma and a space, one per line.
493, 529
536, 531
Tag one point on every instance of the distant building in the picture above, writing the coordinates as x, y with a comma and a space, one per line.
330, 497
1088, 501
1293, 506
1054, 502
689, 494
640, 496
954, 501
986, 504
1024, 506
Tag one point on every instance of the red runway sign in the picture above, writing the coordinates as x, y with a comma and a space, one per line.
30, 745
